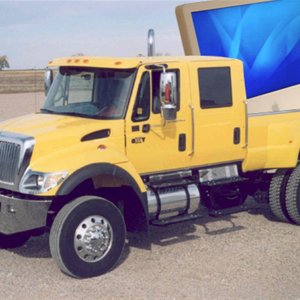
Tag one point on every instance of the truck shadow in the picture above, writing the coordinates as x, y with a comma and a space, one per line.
264, 210
38, 247
191, 230
182, 232
35, 247
178, 233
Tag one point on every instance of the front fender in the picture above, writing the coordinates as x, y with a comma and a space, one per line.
124, 171
97, 169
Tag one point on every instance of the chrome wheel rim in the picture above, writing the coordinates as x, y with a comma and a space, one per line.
93, 239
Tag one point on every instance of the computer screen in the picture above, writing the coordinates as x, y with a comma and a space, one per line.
265, 35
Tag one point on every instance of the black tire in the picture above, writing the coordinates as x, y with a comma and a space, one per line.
13, 240
293, 196
77, 254
277, 191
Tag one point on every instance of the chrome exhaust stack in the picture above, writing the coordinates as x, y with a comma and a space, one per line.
151, 43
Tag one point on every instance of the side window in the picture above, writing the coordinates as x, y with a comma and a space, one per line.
155, 91
141, 110
215, 87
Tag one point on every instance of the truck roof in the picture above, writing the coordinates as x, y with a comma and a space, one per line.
127, 63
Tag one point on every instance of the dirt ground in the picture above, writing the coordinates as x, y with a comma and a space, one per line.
14, 105
245, 255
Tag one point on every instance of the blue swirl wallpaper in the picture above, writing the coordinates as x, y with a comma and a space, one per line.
265, 36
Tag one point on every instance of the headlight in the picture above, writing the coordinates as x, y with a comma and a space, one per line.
38, 182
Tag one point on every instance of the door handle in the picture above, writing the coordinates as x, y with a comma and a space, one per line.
236, 135
182, 142
193, 129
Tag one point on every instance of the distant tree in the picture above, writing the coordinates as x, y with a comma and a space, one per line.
156, 54
162, 54
3, 62
78, 54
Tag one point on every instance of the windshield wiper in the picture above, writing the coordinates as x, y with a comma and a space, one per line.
75, 114
47, 111
66, 113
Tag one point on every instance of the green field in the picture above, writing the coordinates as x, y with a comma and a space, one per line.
21, 81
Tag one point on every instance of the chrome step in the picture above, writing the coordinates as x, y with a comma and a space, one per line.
177, 219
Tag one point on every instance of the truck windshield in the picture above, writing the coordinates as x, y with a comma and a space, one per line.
90, 92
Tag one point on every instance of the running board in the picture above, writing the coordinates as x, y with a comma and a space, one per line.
177, 219
228, 211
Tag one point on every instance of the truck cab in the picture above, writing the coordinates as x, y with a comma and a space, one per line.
131, 92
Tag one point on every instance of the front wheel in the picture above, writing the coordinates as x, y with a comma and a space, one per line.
87, 237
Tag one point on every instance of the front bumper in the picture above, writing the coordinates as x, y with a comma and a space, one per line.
18, 215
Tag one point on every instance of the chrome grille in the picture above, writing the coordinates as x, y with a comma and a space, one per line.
15, 154
9, 161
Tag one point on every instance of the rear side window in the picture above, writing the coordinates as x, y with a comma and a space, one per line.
215, 87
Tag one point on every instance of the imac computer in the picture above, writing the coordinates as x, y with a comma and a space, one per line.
264, 34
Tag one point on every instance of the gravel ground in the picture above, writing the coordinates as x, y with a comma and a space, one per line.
14, 105
245, 255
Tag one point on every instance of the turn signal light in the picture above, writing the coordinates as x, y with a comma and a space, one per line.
101, 147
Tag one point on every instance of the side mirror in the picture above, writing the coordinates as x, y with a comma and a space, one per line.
48, 79
168, 95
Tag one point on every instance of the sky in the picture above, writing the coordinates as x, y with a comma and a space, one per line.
35, 32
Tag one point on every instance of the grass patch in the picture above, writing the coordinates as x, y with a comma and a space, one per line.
21, 81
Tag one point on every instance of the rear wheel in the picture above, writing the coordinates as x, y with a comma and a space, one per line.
277, 191
87, 237
293, 196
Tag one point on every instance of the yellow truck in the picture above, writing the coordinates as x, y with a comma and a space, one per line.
123, 143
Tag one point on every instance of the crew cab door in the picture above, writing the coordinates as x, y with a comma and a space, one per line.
218, 97
152, 144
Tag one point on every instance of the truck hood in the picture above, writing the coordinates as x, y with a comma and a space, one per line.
52, 132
